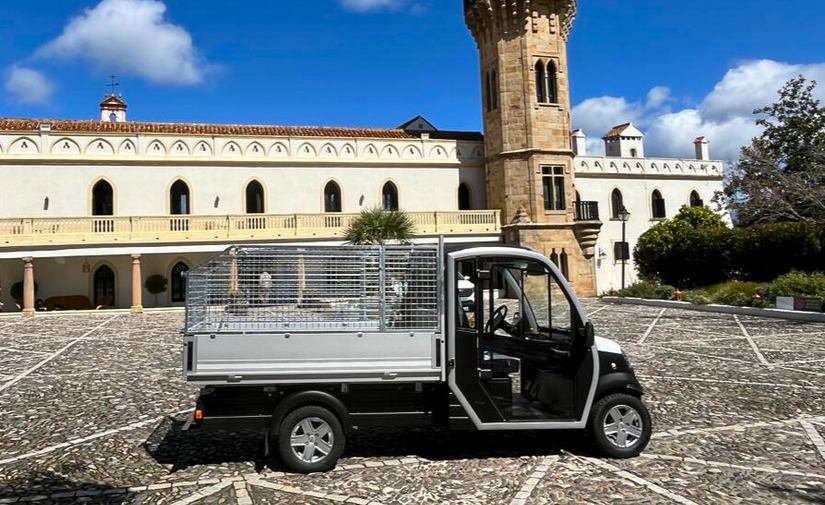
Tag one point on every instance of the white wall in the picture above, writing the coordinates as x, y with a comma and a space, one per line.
637, 186
144, 190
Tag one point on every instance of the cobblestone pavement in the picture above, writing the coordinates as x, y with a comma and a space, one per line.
91, 409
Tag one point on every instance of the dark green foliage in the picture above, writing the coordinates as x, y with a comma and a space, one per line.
799, 284
690, 251
156, 284
377, 226
685, 251
648, 290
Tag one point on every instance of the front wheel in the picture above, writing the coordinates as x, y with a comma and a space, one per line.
620, 426
310, 439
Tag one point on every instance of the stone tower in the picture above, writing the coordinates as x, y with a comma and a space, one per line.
527, 131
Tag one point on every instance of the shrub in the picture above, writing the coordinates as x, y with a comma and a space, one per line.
696, 297
800, 284
797, 244
16, 291
648, 290
377, 226
734, 298
687, 251
156, 284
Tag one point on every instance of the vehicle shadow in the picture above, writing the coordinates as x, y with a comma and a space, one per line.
169, 445
809, 493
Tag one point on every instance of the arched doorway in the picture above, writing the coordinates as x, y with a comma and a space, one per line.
389, 197
178, 282
332, 197
255, 198
104, 286
179, 201
464, 201
103, 199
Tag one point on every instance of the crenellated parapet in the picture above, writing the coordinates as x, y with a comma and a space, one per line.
502, 19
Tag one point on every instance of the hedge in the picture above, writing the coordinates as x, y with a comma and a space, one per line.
688, 252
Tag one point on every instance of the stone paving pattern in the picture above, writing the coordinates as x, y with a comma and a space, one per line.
91, 409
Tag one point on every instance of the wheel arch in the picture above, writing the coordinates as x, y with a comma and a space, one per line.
306, 398
618, 382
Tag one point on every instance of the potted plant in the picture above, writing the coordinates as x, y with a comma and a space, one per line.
155, 285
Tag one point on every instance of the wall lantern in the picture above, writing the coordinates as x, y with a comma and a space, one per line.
217, 201
87, 268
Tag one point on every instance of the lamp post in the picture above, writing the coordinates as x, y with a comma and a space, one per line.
624, 216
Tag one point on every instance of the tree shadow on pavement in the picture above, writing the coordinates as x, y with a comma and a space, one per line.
807, 493
45, 486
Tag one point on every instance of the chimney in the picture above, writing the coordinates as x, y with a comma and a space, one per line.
702, 149
579, 143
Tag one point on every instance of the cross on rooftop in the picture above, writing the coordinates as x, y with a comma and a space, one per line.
113, 84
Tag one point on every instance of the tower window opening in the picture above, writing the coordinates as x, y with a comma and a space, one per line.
541, 82
553, 188
489, 91
552, 91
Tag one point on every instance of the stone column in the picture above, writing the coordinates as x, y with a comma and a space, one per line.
28, 287
137, 286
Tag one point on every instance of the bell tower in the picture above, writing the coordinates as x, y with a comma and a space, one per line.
527, 131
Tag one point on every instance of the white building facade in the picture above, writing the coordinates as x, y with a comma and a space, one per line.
89, 210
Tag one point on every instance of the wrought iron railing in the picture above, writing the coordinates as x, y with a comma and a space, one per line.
586, 211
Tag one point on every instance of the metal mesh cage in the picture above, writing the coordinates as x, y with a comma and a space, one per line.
343, 288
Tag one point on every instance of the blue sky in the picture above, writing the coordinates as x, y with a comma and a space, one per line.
678, 69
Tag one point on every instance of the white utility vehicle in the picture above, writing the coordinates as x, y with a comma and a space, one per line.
309, 343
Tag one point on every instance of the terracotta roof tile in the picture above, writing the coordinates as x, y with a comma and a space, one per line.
616, 131
91, 126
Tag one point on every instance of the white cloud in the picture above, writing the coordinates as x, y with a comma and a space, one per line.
724, 116
130, 37
28, 87
373, 5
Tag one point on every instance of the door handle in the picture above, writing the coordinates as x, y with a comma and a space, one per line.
560, 354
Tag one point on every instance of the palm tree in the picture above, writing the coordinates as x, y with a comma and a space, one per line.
376, 226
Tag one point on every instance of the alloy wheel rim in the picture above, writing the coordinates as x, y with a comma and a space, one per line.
623, 426
312, 440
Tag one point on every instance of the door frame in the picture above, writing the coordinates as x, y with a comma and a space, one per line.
511, 252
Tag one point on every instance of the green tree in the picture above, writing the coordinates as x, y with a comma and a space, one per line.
780, 177
686, 251
377, 226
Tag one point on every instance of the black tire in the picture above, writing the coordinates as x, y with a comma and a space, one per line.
328, 438
602, 421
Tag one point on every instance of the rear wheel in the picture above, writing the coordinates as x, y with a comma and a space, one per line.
310, 439
620, 425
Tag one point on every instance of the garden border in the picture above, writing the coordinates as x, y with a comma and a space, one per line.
793, 315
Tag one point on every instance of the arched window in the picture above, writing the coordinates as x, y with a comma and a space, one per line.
696, 200
658, 203
389, 197
552, 91
179, 282
616, 203
102, 199
332, 197
104, 286
541, 82
464, 202
179, 202
255, 198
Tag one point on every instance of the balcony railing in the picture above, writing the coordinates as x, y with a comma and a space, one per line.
586, 211
190, 228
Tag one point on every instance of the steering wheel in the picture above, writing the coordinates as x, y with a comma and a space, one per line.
496, 319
